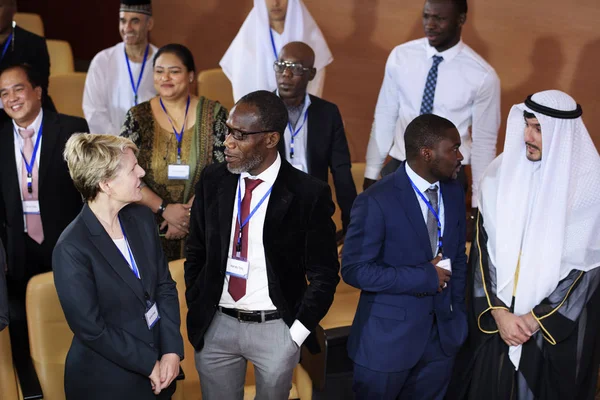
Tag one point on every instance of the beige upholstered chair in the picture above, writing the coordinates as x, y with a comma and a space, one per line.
66, 91
61, 57
30, 22
214, 85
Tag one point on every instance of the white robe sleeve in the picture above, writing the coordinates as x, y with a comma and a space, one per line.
96, 99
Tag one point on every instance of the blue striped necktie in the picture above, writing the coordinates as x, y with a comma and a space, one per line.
429, 92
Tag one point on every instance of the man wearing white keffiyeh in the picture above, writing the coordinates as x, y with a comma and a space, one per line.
271, 24
534, 299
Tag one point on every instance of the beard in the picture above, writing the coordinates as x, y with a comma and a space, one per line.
249, 164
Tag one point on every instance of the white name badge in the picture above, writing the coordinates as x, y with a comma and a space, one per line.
299, 166
152, 316
177, 171
445, 264
237, 267
31, 207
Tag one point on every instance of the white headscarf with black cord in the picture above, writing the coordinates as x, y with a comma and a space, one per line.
545, 215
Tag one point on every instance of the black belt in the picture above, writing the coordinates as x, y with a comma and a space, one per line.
250, 316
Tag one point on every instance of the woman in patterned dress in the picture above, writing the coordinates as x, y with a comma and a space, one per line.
178, 134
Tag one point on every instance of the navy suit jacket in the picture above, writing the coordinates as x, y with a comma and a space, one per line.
387, 255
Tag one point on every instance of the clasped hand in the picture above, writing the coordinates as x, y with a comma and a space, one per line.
164, 372
514, 330
443, 274
177, 220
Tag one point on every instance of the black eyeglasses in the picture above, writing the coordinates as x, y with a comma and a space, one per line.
241, 135
296, 68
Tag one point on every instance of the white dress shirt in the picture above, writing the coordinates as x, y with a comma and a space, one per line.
37, 122
257, 285
300, 161
108, 93
123, 247
423, 185
467, 93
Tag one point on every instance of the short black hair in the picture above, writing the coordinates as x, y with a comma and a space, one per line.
32, 74
528, 115
273, 113
183, 53
425, 131
461, 6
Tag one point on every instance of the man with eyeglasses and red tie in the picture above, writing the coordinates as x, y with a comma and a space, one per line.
314, 140
261, 260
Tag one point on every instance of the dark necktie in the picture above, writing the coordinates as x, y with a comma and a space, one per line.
429, 92
237, 286
432, 224
34, 221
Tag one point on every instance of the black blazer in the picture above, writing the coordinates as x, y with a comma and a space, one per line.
3, 292
31, 49
327, 149
299, 243
113, 352
59, 200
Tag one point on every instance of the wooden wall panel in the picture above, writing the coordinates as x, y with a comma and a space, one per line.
533, 45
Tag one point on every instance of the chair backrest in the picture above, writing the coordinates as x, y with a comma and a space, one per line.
49, 335
30, 22
66, 91
214, 85
61, 57
8, 377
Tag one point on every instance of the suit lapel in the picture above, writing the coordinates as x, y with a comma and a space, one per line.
279, 203
226, 195
111, 253
411, 207
450, 217
139, 249
313, 135
50, 134
9, 173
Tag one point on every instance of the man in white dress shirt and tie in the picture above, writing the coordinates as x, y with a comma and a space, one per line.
437, 74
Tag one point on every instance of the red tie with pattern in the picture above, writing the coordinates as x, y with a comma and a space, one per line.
34, 221
237, 286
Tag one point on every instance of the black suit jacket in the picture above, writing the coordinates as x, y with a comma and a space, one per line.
299, 243
327, 149
113, 352
31, 49
59, 200
3, 292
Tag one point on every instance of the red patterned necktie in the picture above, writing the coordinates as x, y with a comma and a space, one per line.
237, 286
34, 221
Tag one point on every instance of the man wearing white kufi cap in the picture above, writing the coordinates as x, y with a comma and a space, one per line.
534, 300
271, 24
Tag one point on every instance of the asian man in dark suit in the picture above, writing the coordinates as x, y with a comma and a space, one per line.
32, 214
314, 140
246, 289
405, 249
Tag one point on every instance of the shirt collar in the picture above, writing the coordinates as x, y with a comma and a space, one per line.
447, 54
37, 122
419, 182
269, 175
306, 100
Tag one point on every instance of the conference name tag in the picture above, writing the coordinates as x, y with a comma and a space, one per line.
299, 166
445, 264
152, 316
31, 207
178, 171
237, 267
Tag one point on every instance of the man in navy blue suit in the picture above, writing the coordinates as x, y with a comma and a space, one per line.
405, 249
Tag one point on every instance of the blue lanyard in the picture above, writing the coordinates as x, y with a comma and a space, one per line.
436, 216
295, 133
273, 44
133, 85
29, 165
238, 248
134, 267
178, 135
5, 49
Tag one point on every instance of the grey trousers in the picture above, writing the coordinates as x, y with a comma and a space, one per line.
229, 344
